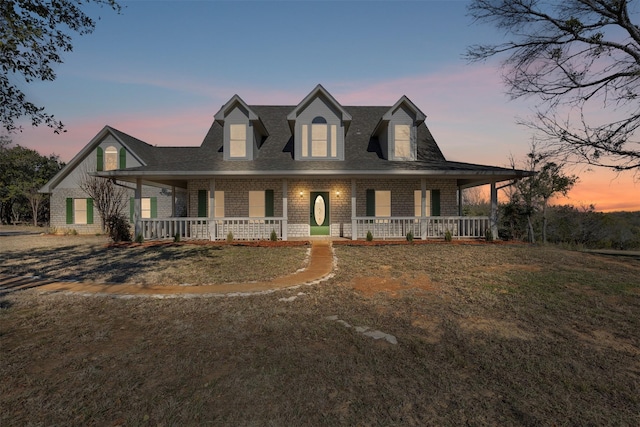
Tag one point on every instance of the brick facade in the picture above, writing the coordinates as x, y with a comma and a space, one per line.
236, 198
59, 197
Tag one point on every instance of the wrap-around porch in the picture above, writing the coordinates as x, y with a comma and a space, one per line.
346, 208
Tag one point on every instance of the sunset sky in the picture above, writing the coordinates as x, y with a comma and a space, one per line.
160, 71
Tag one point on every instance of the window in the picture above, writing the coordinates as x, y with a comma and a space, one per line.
219, 210
256, 204
148, 208
145, 207
379, 203
110, 158
261, 204
79, 211
383, 203
320, 140
238, 141
417, 197
402, 142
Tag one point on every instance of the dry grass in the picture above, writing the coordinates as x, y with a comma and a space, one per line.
89, 258
487, 335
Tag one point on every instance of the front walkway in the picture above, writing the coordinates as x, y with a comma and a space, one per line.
320, 268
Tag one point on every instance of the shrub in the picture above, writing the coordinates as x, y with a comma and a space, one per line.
230, 237
139, 238
488, 235
274, 236
176, 237
118, 228
448, 236
369, 236
410, 236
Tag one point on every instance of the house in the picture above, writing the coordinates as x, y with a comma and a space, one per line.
316, 168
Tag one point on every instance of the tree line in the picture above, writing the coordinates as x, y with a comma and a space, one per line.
23, 172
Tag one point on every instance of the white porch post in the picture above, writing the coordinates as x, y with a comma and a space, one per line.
354, 224
212, 209
423, 208
285, 210
137, 208
494, 210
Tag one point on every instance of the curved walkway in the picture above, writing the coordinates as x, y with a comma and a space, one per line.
320, 268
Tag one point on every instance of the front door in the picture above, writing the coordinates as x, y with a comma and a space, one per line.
319, 213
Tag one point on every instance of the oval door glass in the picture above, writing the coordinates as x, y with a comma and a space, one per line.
319, 210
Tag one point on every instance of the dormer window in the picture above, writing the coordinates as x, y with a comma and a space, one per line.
319, 125
238, 141
243, 131
320, 139
397, 131
402, 143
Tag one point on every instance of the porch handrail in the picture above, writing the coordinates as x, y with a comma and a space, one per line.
421, 227
200, 228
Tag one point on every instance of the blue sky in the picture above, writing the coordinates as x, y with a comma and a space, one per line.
161, 69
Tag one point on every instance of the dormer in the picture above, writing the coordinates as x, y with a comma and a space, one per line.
397, 131
319, 124
243, 131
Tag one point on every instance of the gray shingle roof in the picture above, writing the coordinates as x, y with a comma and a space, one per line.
362, 152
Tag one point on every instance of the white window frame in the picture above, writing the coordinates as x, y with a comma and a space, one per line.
319, 141
110, 158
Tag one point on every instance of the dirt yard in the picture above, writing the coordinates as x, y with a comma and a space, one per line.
402, 335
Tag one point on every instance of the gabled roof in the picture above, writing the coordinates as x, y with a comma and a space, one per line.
316, 92
237, 101
386, 118
142, 151
362, 156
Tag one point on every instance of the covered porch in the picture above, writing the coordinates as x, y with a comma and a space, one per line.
300, 207
183, 228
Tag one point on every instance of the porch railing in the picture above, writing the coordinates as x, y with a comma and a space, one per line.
208, 228
460, 227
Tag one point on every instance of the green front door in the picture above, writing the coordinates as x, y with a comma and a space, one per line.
319, 213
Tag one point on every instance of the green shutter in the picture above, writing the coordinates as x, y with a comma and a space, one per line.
99, 160
123, 158
69, 211
89, 211
202, 203
268, 203
132, 208
154, 207
435, 202
371, 202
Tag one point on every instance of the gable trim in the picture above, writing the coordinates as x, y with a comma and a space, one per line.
86, 151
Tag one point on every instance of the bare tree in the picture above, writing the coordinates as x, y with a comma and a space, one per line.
109, 199
533, 193
578, 57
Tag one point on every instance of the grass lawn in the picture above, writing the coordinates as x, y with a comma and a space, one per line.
486, 335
